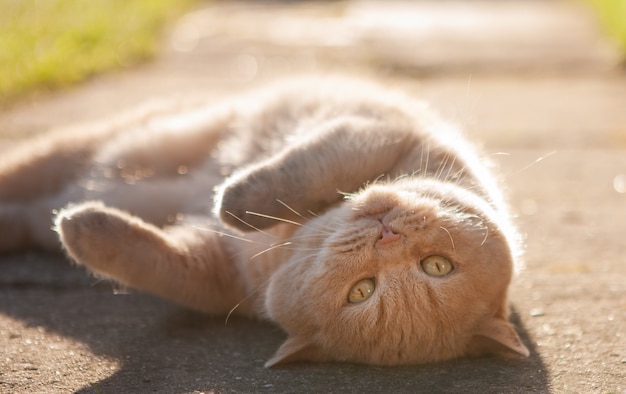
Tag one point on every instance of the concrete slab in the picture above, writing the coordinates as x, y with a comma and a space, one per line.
533, 81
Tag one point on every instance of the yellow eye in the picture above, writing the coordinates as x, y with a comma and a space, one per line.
437, 266
361, 291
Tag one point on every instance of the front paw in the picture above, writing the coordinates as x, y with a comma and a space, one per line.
92, 234
246, 204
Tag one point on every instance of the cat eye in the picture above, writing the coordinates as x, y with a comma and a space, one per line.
361, 291
437, 266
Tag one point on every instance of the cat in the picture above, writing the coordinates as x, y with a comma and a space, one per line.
350, 215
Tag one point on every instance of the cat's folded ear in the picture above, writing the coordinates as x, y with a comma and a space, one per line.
296, 349
496, 336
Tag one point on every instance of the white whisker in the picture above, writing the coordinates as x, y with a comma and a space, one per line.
449, 235
486, 235
221, 233
427, 159
442, 166
312, 213
269, 249
274, 218
245, 299
249, 225
447, 177
258, 288
534, 163
291, 209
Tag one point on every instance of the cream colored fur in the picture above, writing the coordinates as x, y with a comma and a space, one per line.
274, 206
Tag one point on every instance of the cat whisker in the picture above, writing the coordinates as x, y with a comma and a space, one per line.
450, 168
279, 219
449, 235
249, 225
252, 293
403, 176
251, 246
300, 215
242, 251
221, 233
533, 163
442, 166
291, 209
425, 172
274, 218
249, 250
499, 154
486, 236
270, 248
458, 176
256, 290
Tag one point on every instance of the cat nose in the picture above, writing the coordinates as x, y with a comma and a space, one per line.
387, 236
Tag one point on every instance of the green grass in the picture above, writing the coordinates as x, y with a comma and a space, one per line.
47, 44
613, 16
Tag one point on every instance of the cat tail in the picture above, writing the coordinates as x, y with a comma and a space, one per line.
186, 267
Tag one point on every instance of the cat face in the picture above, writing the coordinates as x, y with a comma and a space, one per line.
405, 273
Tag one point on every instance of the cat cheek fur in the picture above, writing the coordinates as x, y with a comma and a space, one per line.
313, 300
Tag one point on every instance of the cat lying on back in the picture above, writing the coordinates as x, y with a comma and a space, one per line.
351, 216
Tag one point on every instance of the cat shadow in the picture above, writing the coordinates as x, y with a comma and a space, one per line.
160, 347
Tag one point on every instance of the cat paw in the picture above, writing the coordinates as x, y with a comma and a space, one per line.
249, 202
93, 234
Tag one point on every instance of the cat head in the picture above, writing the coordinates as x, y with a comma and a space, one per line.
404, 273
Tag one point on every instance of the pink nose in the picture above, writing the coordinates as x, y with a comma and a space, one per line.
387, 236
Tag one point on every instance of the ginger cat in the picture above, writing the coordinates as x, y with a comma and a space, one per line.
351, 216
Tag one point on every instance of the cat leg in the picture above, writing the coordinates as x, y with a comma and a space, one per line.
188, 267
47, 163
29, 224
311, 174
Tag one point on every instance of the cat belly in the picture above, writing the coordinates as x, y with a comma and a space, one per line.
157, 200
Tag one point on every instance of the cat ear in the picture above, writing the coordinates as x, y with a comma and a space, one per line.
496, 336
296, 349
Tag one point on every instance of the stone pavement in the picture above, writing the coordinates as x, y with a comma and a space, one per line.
533, 81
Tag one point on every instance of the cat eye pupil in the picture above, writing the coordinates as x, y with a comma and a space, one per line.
361, 291
436, 266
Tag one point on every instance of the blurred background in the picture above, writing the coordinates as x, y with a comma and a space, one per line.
46, 45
